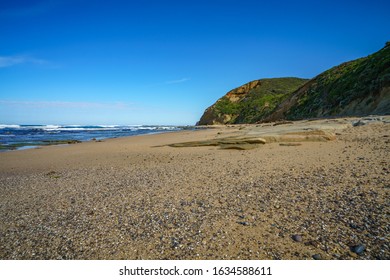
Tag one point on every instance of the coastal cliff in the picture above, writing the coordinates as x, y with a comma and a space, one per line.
355, 88
250, 102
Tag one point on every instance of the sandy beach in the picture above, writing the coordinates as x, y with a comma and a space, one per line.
139, 198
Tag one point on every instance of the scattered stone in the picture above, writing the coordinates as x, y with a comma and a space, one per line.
90, 212
60, 142
358, 249
241, 147
367, 120
243, 223
313, 243
352, 225
317, 257
359, 123
297, 238
290, 144
51, 173
282, 122
373, 118
174, 243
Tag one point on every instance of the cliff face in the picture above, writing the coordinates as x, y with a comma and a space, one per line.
250, 102
355, 88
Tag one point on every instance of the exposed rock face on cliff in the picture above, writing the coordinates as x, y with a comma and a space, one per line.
251, 102
355, 88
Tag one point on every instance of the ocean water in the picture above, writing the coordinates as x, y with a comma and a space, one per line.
17, 137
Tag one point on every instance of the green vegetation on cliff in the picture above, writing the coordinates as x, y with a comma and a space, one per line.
251, 102
226, 107
262, 100
354, 88
336, 88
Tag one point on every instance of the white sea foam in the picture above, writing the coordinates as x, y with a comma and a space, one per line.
34, 134
64, 129
74, 127
51, 127
2, 126
108, 126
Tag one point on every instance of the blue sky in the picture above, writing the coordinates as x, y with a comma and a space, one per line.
164, 62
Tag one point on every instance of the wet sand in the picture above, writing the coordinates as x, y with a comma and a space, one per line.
138, 198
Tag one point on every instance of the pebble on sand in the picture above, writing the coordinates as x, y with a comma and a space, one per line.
317, 257
358, 249
297, 237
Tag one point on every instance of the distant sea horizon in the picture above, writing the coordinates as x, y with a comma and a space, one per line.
21, 136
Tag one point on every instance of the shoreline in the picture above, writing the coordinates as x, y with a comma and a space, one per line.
30, 136
139, 198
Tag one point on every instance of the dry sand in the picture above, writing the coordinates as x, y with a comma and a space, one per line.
128, 199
